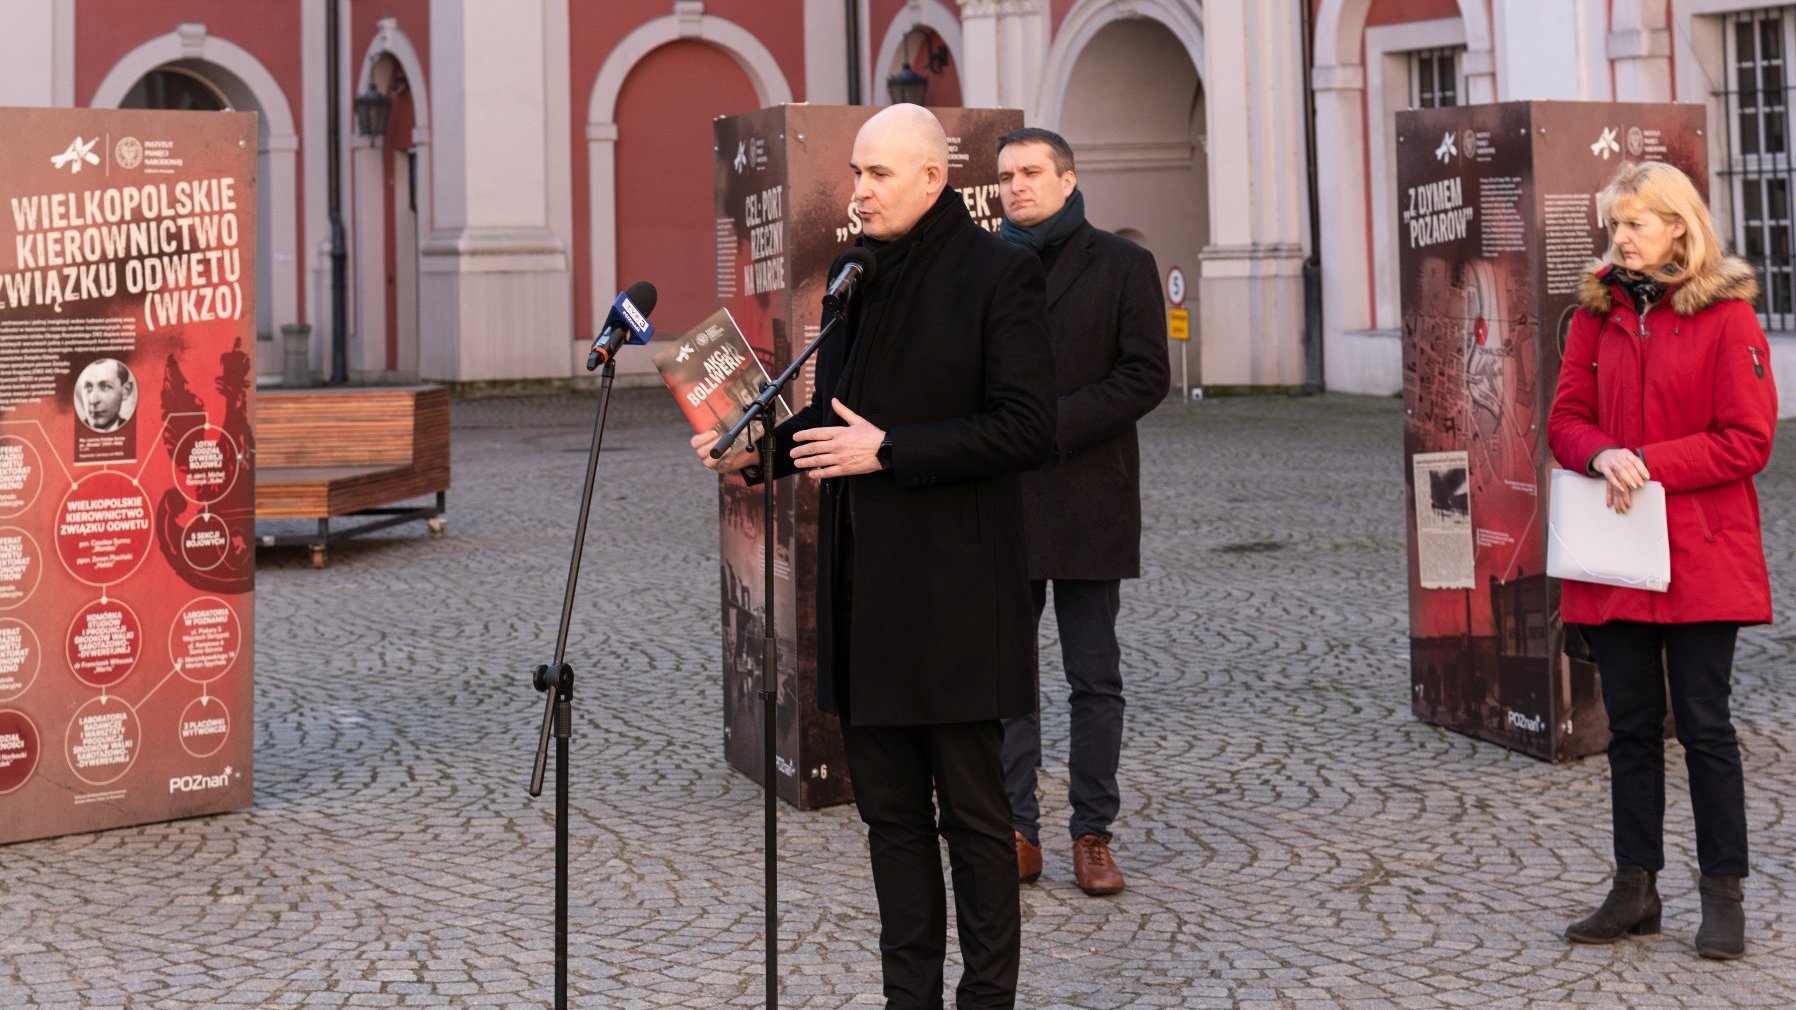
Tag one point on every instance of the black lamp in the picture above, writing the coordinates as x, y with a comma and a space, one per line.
371, 109
907, 86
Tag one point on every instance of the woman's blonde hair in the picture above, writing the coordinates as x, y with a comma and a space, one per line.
1665, 191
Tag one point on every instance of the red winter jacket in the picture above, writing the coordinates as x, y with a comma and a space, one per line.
1690, 387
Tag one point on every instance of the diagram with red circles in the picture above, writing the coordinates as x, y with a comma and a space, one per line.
205, 726
20, 748
205, 639
21, 565
143, 664
206, 463
103, 529
104, 739
104, 642
21, 475
20, 658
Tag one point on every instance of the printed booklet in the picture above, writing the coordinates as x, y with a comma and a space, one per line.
715, 374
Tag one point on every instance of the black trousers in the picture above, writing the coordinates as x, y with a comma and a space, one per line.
1636, 661
1086, 611
899, 774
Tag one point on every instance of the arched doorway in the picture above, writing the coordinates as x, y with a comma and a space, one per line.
1133, 111
195, 85
664, 223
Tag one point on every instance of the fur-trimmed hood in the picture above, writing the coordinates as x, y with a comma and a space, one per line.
1735, 278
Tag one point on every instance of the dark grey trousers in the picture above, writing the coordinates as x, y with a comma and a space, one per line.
1086, 611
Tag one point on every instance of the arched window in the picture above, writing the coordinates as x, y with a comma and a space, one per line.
172, 87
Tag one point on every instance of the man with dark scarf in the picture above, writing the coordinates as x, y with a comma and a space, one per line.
1082, 509
939, 393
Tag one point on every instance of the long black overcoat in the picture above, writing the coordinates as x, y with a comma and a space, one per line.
1107, 322
959, 374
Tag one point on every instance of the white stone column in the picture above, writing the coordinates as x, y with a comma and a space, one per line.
315, 232
981, 64
1251, 279
826, 52
1024, 48
1541, 50
494, 285
1355, 359
37, 53
366, 217
1639, 45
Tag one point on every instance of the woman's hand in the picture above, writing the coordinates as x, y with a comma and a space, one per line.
1625, 472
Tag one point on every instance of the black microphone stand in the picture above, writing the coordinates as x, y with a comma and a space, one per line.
760, 414
556, 678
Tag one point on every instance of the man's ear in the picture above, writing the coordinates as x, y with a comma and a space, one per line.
1068, 183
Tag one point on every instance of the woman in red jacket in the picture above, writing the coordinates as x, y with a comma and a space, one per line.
1667, 376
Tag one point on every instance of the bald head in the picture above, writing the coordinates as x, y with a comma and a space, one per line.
900, 164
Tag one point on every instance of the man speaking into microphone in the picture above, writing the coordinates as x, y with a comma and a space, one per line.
938, 392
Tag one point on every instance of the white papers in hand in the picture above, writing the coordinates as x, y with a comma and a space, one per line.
1587, 541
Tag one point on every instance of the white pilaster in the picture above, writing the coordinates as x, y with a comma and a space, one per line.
1251, 282
365, 214
494, 287
825, 52
1639, 45
1540, 55
980, 63
1356, 359
27, 54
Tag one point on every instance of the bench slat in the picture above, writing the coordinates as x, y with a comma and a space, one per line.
330, 452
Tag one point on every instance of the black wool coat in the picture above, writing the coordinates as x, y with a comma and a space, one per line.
959, 374
1107, 324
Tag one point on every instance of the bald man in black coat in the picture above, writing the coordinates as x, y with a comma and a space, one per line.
922, 420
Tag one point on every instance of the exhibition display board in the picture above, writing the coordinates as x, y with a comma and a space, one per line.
783, 189
1498, 222
127, 314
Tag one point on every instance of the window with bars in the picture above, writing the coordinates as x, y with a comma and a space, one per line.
1434, 77
1759, 171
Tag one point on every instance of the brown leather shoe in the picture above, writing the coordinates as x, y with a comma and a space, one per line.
1093, 868
1028, 860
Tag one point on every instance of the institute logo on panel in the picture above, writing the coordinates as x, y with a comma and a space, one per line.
78, 152
128, 152
1449, 148
1606, 144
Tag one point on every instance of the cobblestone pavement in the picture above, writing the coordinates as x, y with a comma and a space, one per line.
1293, 838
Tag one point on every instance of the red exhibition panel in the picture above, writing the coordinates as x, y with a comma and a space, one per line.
127, 493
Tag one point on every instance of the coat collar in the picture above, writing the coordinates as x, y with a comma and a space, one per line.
1733, 279
1073, 260
947, 216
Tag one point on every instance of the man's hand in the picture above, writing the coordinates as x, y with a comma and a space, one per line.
732, 461
838, 451
1625, 472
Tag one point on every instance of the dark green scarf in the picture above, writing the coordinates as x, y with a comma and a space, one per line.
1051, 232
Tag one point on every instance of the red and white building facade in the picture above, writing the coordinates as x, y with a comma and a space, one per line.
541, 155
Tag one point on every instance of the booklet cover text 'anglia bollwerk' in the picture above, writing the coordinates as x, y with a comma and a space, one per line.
714, 374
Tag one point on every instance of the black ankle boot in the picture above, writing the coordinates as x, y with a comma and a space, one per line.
1722, 936
1632, 907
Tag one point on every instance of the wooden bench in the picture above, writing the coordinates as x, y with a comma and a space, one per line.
330, 453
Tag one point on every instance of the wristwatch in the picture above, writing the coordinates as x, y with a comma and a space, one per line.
884, 454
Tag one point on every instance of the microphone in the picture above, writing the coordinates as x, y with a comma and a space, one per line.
627, 323
852, 267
